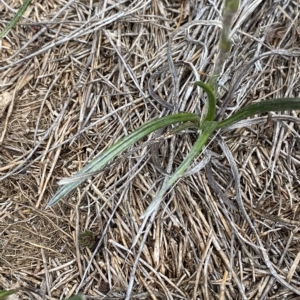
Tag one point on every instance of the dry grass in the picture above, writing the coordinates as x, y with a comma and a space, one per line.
74, 75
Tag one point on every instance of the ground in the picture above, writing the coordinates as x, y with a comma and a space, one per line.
74, 79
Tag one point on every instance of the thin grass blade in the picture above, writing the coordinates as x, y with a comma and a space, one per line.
15, 19
211, 100
101, 160
6, 293
77, 297
208, 128
279, 104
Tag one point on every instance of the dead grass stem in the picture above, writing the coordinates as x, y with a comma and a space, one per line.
75, 77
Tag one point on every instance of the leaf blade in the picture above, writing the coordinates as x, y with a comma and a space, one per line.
279, 104
102, 159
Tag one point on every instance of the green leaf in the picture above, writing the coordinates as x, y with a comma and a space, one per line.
211, 100
208, 128
280, 104
15, 19
101, 160
77, 297
6, 293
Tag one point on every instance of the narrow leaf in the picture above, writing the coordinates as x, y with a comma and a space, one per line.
6, 293
77, 297
101, 160
280, 104
211, 100
15, 19
208, 128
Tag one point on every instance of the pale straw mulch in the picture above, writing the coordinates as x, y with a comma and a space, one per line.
74, 79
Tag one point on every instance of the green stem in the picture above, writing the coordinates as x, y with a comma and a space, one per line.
230, 8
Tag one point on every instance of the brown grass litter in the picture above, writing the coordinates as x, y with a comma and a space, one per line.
74, 78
